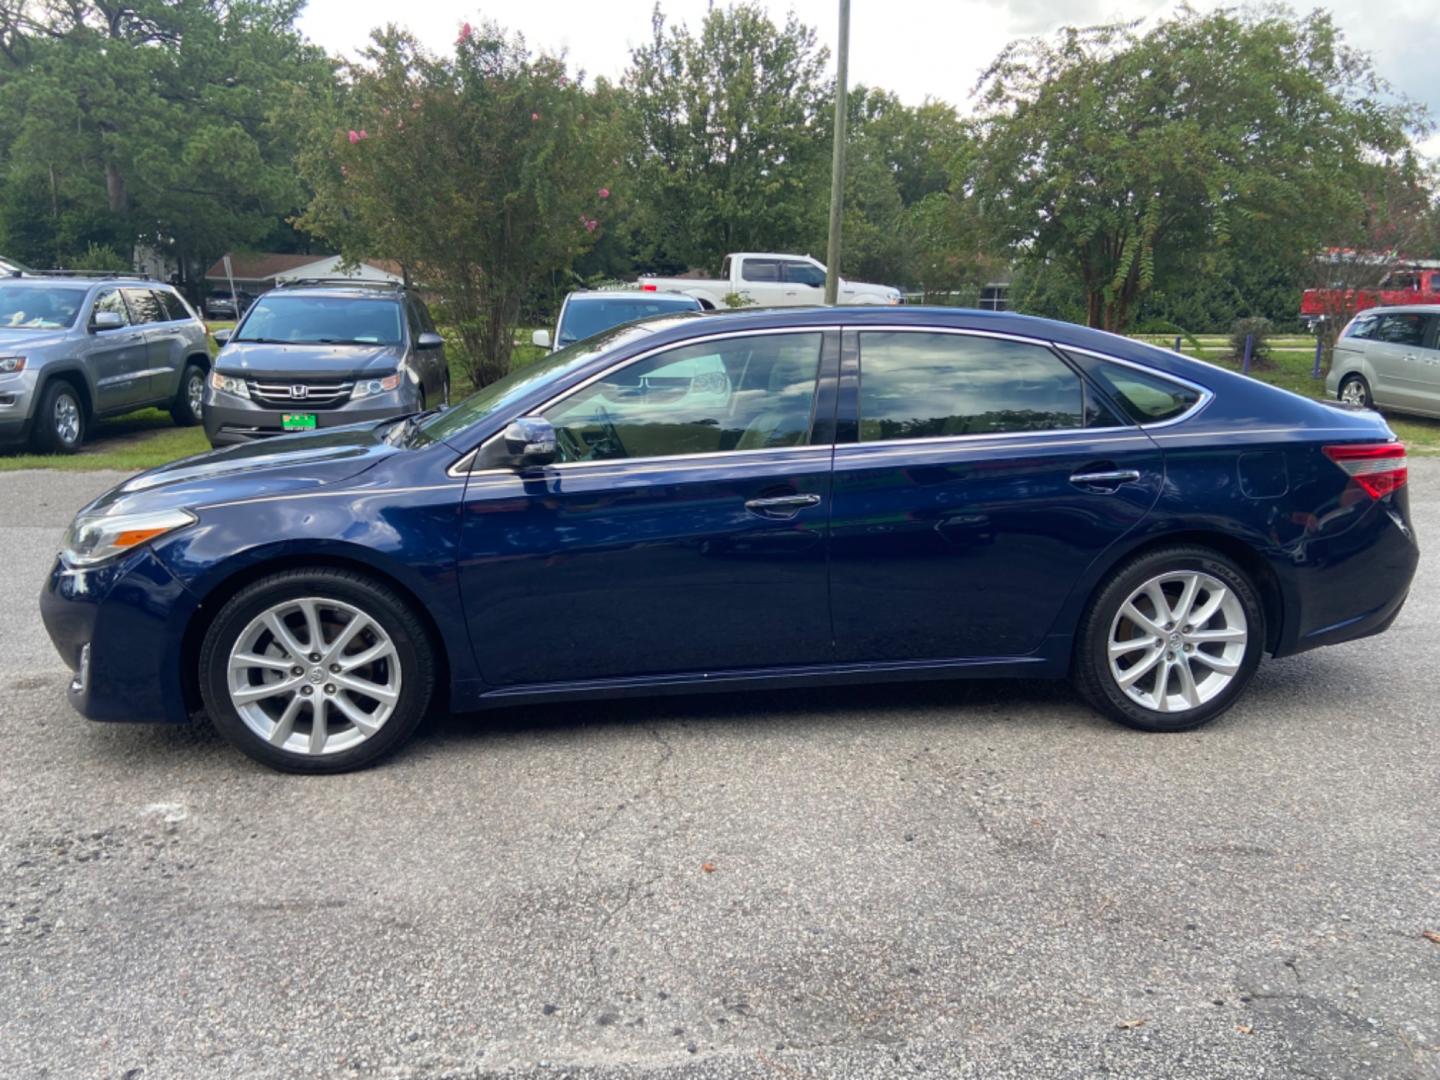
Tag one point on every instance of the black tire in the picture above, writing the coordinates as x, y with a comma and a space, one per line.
186, 410
1367, 400
412, 645
1091, 669
49, 433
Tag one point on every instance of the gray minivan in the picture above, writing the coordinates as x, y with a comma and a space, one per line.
75, 347
1389, 358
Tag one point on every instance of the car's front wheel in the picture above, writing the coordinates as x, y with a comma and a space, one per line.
1171, 640
316, 671
1354, 390
59, 419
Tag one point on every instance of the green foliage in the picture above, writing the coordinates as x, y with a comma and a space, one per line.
1257, 331
727, 140
96, 257
479, 173
155, 122
1106, 150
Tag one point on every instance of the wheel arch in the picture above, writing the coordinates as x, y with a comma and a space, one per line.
73, 374
220, 593
1252, 562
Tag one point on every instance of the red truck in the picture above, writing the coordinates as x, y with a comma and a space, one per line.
1416, 284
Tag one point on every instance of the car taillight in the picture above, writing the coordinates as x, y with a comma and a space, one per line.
649, 286
1377, 468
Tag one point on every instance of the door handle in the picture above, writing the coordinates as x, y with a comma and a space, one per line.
1112, 478
785, 506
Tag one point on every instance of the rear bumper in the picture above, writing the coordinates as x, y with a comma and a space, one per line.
1352, 585
119, 628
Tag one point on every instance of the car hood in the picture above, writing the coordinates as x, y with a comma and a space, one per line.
13, 340
276, 466
258, 359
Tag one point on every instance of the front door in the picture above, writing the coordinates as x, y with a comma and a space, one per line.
682, 530
119, 357
981, 476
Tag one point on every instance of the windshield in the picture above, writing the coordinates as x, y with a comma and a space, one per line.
503, 392
34, 307
589, 315
329, 320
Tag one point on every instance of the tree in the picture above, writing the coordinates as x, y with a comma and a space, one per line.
727, 141
1106, 149
155, 122
478, 172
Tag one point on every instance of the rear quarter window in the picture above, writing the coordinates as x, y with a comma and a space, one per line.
1145, 397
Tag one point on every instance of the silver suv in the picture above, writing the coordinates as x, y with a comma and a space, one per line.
77, 347
1389, 358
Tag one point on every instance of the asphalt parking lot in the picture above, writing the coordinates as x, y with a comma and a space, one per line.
980, 880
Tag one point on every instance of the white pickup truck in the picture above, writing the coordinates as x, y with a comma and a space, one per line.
770, 280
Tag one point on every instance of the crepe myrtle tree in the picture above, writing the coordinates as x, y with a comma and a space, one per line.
478, 172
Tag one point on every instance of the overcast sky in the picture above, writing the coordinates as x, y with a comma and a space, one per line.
916, 48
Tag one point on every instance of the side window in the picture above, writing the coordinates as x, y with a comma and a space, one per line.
174, 307
745, 393
1401, 329
760, 270
426, 322
144, 307
111, 300
1363, 327
1145, 396
916, 385
412, 316
1432, 332
801, 273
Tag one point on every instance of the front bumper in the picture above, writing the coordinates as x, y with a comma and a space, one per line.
230, 420
127, 619
17, 399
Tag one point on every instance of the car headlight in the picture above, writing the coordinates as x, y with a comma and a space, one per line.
11, 365
370, 387
230, 384
94, 538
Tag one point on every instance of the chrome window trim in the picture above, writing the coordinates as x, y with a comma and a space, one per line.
1034, 438
455, 468
1206, 394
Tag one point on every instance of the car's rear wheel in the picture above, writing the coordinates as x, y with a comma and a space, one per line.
1171, 640
59, 425
1354, 390
316, 671
188, 408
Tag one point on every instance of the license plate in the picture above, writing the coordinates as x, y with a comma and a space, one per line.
297, 421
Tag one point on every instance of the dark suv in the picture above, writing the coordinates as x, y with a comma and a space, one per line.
316, 354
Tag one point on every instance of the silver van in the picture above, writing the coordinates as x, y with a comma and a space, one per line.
1389, 358
75, 347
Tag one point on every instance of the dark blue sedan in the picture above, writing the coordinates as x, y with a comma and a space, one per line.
757, 499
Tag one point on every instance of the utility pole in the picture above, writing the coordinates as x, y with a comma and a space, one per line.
837, 168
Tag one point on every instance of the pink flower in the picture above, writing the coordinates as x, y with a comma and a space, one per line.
465, 32
364, 134
354, 136
534, 116
604, 193
591, 225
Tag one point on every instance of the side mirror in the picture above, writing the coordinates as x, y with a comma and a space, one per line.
530, 441
429, 340
222, 336
541, 338
107, 320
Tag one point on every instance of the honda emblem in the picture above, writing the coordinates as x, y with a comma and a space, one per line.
299, 390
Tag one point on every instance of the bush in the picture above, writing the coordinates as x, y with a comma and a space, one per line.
1260, 330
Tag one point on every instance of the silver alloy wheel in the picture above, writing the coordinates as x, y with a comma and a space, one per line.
195, 393
314, 676
67, 419
1178, 641
1353, 393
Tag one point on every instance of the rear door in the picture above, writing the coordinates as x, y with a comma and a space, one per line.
760, 282
682, 530
166, 341
976, 478
119, 358
1396, 351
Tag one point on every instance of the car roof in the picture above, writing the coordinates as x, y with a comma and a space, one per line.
1402, 309
82, 282
638, 295
367, 292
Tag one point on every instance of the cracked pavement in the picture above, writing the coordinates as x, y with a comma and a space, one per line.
970, 880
